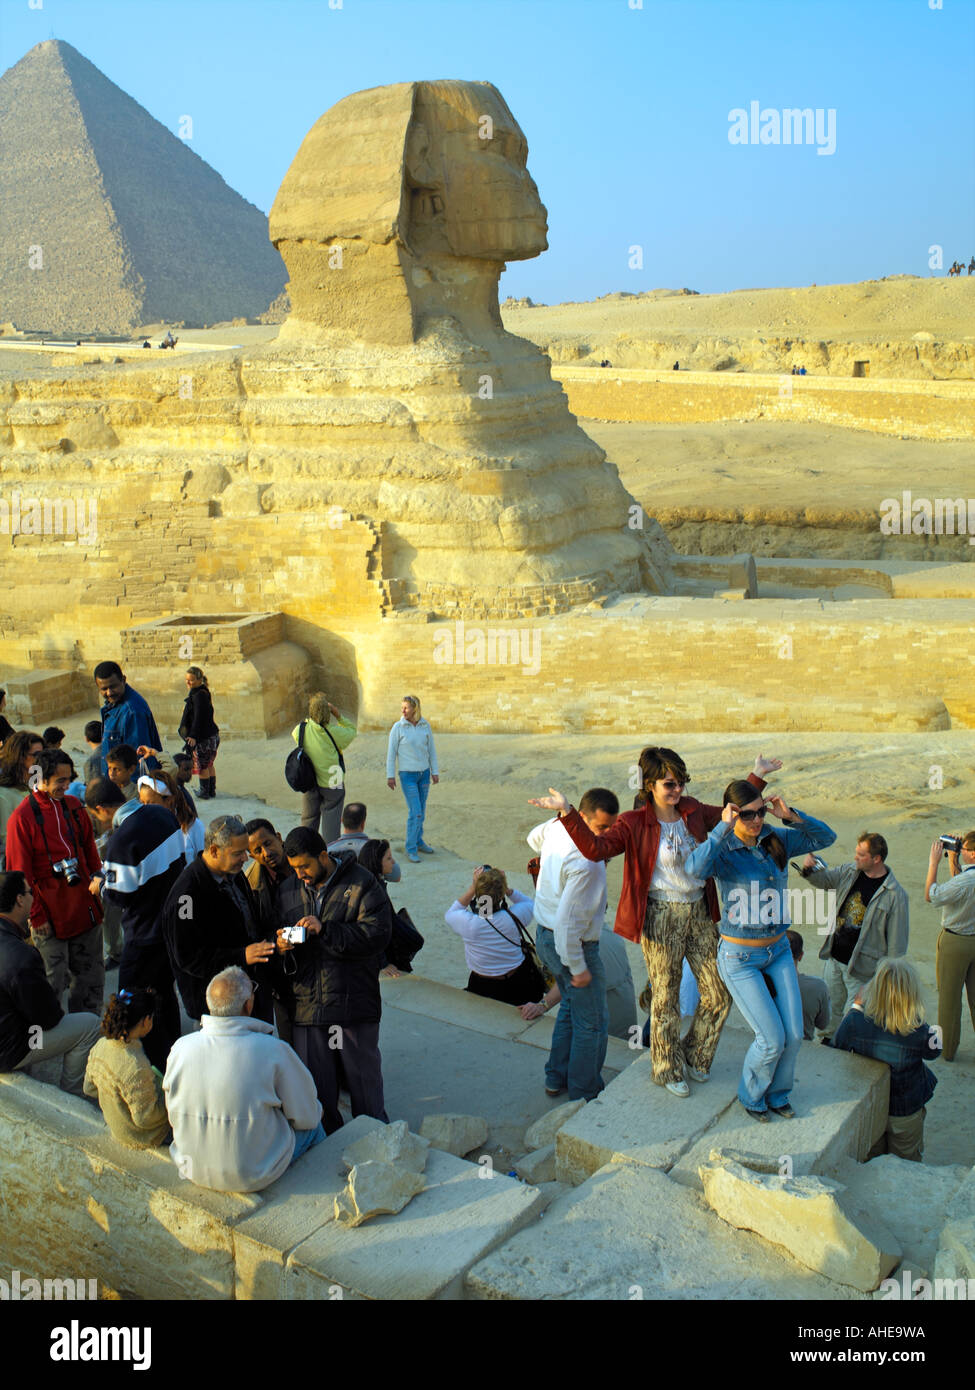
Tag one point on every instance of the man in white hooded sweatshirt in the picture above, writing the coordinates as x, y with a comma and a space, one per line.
242, 1104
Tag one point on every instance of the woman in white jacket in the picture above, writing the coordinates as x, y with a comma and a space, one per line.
411, 742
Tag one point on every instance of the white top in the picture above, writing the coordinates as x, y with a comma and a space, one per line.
670, 883
231, 1090
570, 895
487, 951
413, 745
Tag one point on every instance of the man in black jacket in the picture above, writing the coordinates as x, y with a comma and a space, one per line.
347, 921
211, 919
33, 1026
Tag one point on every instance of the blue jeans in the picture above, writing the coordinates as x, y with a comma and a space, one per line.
306, 1139
415, 786
770, 1062
582, 1027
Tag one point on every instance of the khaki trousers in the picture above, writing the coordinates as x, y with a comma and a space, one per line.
954, 965
904, 1137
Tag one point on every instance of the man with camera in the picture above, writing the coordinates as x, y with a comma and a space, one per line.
343, 923
872, 920
955, 955
211, 920
51, 842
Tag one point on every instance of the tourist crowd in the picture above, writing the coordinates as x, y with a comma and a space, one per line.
275, 944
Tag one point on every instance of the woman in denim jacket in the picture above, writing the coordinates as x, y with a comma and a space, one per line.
888, 1025
750, 862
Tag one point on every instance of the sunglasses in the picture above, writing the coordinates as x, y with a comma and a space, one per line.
670, 784
752, 815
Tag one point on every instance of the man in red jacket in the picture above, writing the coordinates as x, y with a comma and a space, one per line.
50, 841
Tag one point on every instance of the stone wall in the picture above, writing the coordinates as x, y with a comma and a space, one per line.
917, 409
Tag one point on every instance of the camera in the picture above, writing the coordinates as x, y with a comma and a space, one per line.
296, 935
68, 870
952, 843
817, 864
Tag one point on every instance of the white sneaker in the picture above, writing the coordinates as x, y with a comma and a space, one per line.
678, 1088
696, 1075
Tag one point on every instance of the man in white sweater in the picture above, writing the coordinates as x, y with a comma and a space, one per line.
570, 903
242, 1104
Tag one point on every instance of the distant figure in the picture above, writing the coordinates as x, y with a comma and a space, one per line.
971, 265
801, 371
795, 370
169, 341
147, 344
676, 366
605, 362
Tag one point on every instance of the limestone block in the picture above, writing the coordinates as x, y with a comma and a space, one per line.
629, 1232
391, 1144
537, 1167
545, 1128
455, 1134
375, 1187
840, 1101
122, 1216
302, 1200
955, 1258
913, 1200
422, 1251
634, 1121
807, 1216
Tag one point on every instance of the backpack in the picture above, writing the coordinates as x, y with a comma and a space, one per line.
299, 772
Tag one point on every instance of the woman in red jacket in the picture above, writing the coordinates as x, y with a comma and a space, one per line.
669, 912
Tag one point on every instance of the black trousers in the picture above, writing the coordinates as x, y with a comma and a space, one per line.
352, 1049
522, 987
148, 967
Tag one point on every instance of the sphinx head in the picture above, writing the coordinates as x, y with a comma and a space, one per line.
403, 204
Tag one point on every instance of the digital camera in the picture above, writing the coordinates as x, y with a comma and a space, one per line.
296, 935
68, 870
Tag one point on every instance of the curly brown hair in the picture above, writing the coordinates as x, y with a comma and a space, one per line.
126, 1009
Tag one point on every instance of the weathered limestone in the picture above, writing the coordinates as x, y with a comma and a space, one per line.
629, 1232
547, 1126
955, 1258
840, 1100
455, 1134
392, 1144
375, 1187
77, 1202
810, 1217
538, 1166
913, 1200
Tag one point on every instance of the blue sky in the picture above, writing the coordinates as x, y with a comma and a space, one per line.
626, 112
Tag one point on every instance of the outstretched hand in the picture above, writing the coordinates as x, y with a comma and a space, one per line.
764, 765
555, 801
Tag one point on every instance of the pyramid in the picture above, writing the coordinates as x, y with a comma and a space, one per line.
132, 227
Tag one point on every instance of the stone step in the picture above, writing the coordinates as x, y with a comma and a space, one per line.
629, 1233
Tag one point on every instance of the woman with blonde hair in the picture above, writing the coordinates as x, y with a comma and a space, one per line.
411, 743
199, 732
489, 929
887, 1023
323, 736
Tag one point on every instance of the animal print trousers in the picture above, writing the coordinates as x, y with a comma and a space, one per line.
672, 931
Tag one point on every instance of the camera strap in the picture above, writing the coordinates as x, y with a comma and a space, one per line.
40, 822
